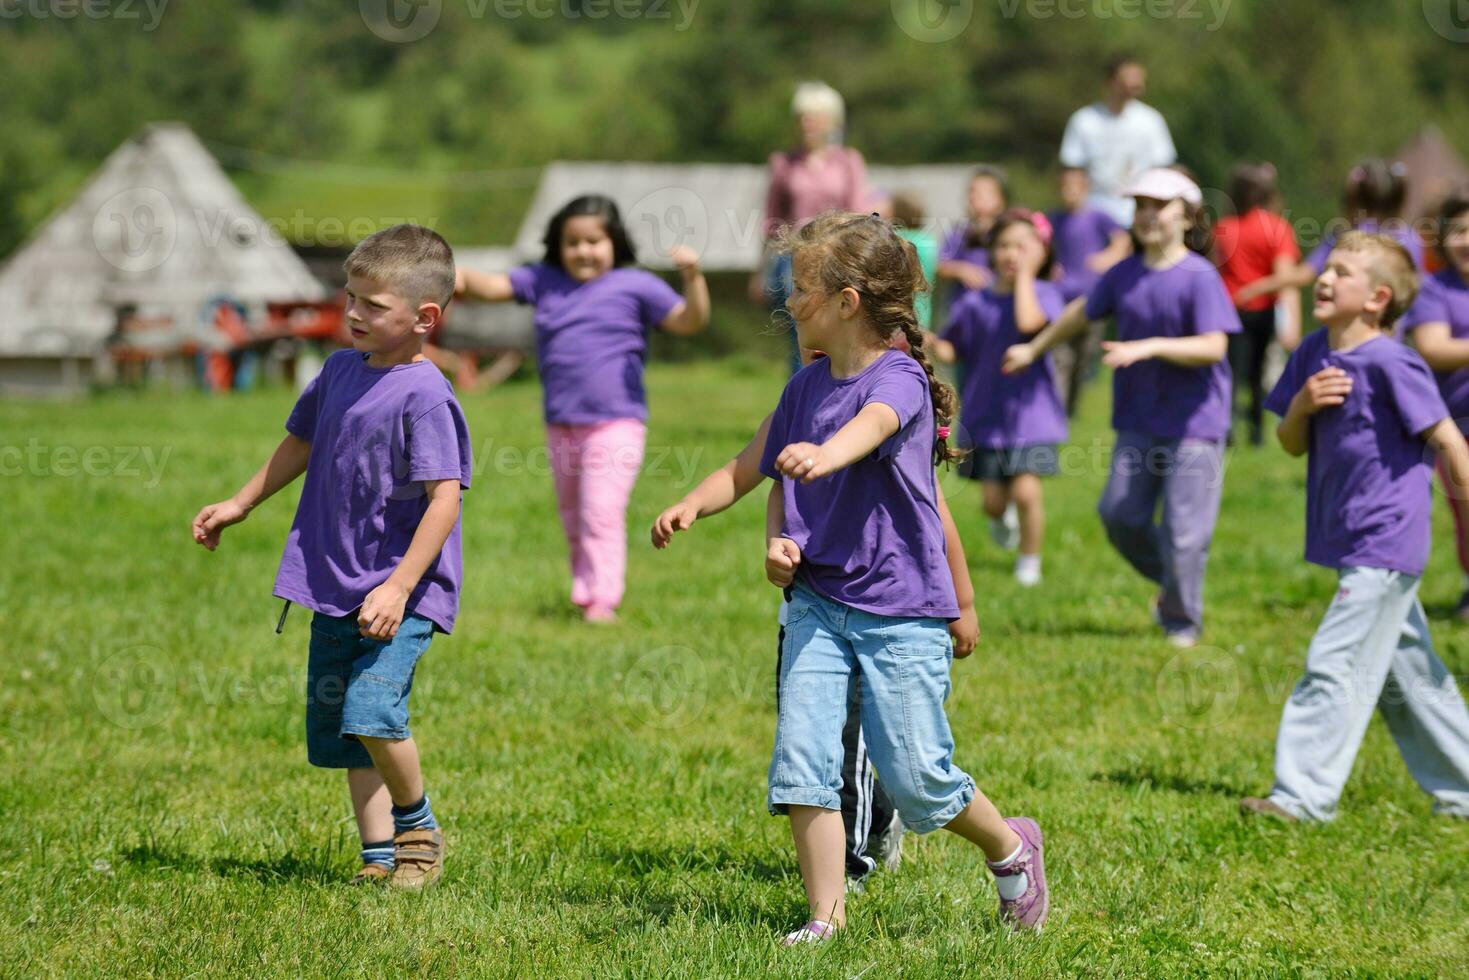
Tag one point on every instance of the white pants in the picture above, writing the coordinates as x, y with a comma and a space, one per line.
1372, 650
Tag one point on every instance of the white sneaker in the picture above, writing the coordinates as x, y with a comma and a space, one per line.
814, 931
1028, 570
1005, 530
890, 854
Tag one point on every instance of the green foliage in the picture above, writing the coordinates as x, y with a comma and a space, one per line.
461, 118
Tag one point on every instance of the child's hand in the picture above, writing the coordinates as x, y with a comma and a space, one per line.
679, 517
382, 611
684, 259
459, 283
1017, 359
781, 558
965, 632
1329, 386
210, 522
971, 275
805, 461
1125, 353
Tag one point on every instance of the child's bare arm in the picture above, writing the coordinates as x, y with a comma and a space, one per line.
807, 461
285, 464
382, 610
782, 555
487, 287
965, 629
1199, 350
1448, 442
690, 316
1073, 320
716, 492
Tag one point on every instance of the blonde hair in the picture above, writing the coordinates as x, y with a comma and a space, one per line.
1390, 265
865, 253
411, 260
819, 98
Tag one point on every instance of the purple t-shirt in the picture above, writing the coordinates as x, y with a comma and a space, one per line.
870, 534
1154, 397
1075, 237
1445, 299
375, 434
1369, 473
1397, 230
1004, 411
958, 248
592, 339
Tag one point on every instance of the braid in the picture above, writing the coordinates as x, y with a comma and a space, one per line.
940, 394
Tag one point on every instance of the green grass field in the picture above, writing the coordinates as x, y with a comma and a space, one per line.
603, 789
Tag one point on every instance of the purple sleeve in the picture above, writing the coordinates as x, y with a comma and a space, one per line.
1102, 300
1291, 379
906, 392
1317, 259
656, 299
1415, 392
953, 244
301, 423
1050, 299
1429, 307
1212, 308
960, 330
1107, 226
438, 445
525, 282
777, 437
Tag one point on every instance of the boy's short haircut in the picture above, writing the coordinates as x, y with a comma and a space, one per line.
412, 260
1391, 266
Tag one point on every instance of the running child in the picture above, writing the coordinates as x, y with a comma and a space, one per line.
1086, 242
1014, 422
594, 311
1366, 410
1438, 325
1170, 396
874, 832
855, 533
375, 546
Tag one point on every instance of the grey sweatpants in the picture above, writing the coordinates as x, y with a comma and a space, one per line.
1372, 650
1187, 475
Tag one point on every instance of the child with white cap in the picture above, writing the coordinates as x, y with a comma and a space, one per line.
1170, 395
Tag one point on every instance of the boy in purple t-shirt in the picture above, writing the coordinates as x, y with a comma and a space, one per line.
1367, 411
374, 549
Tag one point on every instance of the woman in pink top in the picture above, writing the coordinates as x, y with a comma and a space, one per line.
819, 175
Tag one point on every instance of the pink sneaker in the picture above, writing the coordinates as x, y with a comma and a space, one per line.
814, 931
1029, 910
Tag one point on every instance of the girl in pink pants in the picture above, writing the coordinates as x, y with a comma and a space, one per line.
594, 310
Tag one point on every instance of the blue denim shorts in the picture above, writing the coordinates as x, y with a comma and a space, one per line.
357, 686
902, 665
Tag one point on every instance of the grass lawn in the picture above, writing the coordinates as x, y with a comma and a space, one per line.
602, 789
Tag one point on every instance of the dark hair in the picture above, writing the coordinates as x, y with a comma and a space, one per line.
907, 209
864, 252
1022, 216
1454, 205
598, 206
1200, 235
996, 173
1118, 62
1251, 186
1375, 189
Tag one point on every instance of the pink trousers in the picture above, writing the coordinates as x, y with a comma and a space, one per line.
595, 467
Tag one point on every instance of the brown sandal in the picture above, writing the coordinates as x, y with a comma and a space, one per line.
420, 858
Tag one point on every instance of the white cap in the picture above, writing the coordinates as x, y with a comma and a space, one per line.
1164, 184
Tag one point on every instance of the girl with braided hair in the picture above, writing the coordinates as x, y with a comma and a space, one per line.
855, 534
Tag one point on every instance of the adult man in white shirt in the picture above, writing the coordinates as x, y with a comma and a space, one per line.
1117, 138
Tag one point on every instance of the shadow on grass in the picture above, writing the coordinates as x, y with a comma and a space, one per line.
286, 867
1152, 779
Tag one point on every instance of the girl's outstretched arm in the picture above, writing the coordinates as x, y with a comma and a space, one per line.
716, 492
690, 316
965, 629
869, 429
487, 287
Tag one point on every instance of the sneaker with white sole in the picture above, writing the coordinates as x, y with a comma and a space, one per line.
814, 931
1028, 570
890, 844
1005, 529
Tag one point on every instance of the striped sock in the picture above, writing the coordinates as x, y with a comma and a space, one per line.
378, 852
415, 816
